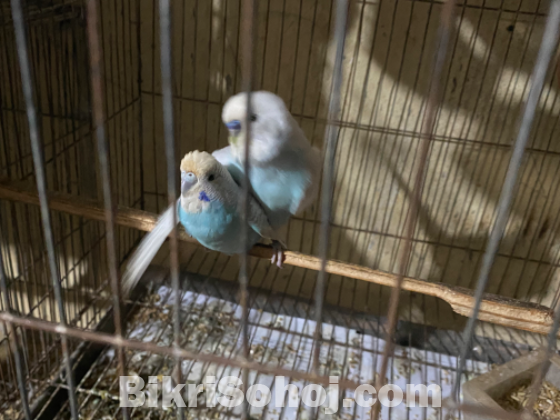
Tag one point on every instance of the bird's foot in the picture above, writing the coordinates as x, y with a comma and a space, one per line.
278, 255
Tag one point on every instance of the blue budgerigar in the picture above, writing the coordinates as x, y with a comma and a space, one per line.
285, 168
209, 210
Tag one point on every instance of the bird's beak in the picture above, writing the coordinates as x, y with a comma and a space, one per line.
185, 186
234, 125
234, 128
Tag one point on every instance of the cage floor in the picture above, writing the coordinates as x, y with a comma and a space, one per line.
211, 325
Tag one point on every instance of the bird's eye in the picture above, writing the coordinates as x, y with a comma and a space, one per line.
211, 177
253, 117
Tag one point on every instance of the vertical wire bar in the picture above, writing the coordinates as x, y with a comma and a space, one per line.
538, 76
331, 139
420, 164
102, 151
27, 86
15, 348
248, 37
546, 52
140, 107
169, 134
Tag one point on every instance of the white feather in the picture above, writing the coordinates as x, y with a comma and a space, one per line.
147, 250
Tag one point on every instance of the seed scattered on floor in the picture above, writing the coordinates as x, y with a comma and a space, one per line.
547, 405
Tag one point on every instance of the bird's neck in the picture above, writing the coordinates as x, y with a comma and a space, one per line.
191, 203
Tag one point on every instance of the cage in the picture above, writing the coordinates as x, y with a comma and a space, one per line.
430, 257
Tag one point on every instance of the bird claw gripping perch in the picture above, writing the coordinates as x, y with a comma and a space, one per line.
278, 255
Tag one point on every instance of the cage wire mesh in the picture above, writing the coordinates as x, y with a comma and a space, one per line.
387, 73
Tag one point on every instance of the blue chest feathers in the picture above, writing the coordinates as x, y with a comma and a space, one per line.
217, 228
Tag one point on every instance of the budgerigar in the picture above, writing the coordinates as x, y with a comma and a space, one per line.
209, 207
285, 168
209, 210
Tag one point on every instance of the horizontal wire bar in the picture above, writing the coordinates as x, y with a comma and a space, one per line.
495, 309
112, 340
397, 132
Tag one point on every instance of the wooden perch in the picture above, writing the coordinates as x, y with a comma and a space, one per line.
495, 309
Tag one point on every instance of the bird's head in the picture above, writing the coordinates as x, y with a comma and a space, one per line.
271, 124
200, 172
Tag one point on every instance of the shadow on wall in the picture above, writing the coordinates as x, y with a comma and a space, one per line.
387, 68
485, 82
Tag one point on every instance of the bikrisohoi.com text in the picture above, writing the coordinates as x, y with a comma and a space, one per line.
228, 392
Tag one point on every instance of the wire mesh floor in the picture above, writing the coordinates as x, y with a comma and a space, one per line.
210, 325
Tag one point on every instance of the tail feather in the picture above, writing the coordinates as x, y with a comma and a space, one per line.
147, 250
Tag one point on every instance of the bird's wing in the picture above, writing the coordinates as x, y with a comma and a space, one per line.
312, 191
258, 221
226, 158
147, 250
257, 218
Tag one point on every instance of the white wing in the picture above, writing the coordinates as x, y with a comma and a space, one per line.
147, 250
312, 192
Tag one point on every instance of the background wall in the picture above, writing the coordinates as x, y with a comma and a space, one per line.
387, 65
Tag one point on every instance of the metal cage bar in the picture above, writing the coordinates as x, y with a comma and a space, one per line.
14, 343
321, 264
27, 84
103, 153
249, 20
549, 42
170, 152
420, 164
330, 143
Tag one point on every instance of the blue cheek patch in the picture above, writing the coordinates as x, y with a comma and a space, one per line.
203, 197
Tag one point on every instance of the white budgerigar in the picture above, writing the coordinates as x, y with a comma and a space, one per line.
285, 168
